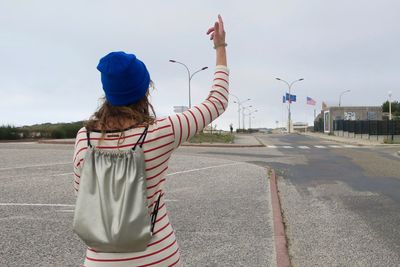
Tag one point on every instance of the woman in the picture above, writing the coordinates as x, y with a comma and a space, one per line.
121, 120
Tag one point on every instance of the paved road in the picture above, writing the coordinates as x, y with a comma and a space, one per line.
341, 203
220, 208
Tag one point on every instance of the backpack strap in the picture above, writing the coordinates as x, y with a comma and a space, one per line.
155, 212
141, 138
88, 138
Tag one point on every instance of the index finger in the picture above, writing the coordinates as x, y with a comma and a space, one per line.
221, 22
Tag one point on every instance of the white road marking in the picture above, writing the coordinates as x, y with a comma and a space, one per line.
36, 205
320, 146
70, 205
65, 210
205, 168
304, 147
70, 173
62, 174
335, 146
349, 146
287, 146
19, 143
38, 165
271, 146
52, 175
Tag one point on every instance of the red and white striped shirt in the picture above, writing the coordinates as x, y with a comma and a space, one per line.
163, 137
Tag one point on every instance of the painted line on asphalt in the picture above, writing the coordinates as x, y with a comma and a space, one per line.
303, 147
287, 146
18, 143
52, 175
62, 174
57, 205
65, 210
205, 168
271, 146
320, 146
349, 146
335, 146
281, 249
69, 205
32, 166
37, 204
171, 200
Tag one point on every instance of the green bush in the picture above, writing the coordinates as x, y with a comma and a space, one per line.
45, 130
395, 108
58, 134
8, 132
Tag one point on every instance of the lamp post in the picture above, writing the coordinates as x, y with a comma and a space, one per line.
390, 105
243, 109
251, 113
240, 103
290, 87
340, 97
190, 76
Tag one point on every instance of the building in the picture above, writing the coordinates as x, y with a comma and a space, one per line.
330, 114
300, 126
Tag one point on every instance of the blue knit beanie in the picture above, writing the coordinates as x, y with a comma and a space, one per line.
125, 78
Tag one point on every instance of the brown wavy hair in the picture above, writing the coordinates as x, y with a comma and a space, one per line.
112, 117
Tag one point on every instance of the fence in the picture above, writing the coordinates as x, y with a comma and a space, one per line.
369, 127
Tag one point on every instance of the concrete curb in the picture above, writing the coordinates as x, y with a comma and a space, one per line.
281, 247
259, 140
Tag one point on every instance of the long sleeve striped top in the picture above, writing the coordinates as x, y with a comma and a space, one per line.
163, 137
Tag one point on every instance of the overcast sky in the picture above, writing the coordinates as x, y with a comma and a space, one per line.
49, 51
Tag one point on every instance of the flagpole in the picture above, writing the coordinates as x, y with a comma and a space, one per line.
283, 113
290, 99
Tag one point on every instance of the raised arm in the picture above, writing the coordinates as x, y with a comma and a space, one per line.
190, 122
217, 34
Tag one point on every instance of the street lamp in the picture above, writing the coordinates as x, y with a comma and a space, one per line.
239, 105
290, 87
251, 113
390, 105
340, 97
243, 109
190, 76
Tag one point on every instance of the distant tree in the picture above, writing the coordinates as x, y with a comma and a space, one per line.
49, 130
8, 132
58, 134
395, 107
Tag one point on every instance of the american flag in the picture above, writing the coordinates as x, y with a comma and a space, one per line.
311, 101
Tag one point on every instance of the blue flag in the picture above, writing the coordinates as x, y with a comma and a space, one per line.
291, 98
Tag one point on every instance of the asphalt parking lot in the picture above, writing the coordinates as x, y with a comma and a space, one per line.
220, 208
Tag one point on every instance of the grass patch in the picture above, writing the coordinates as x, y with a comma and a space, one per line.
212, 138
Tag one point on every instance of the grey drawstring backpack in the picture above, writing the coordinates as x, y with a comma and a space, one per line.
111, 211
